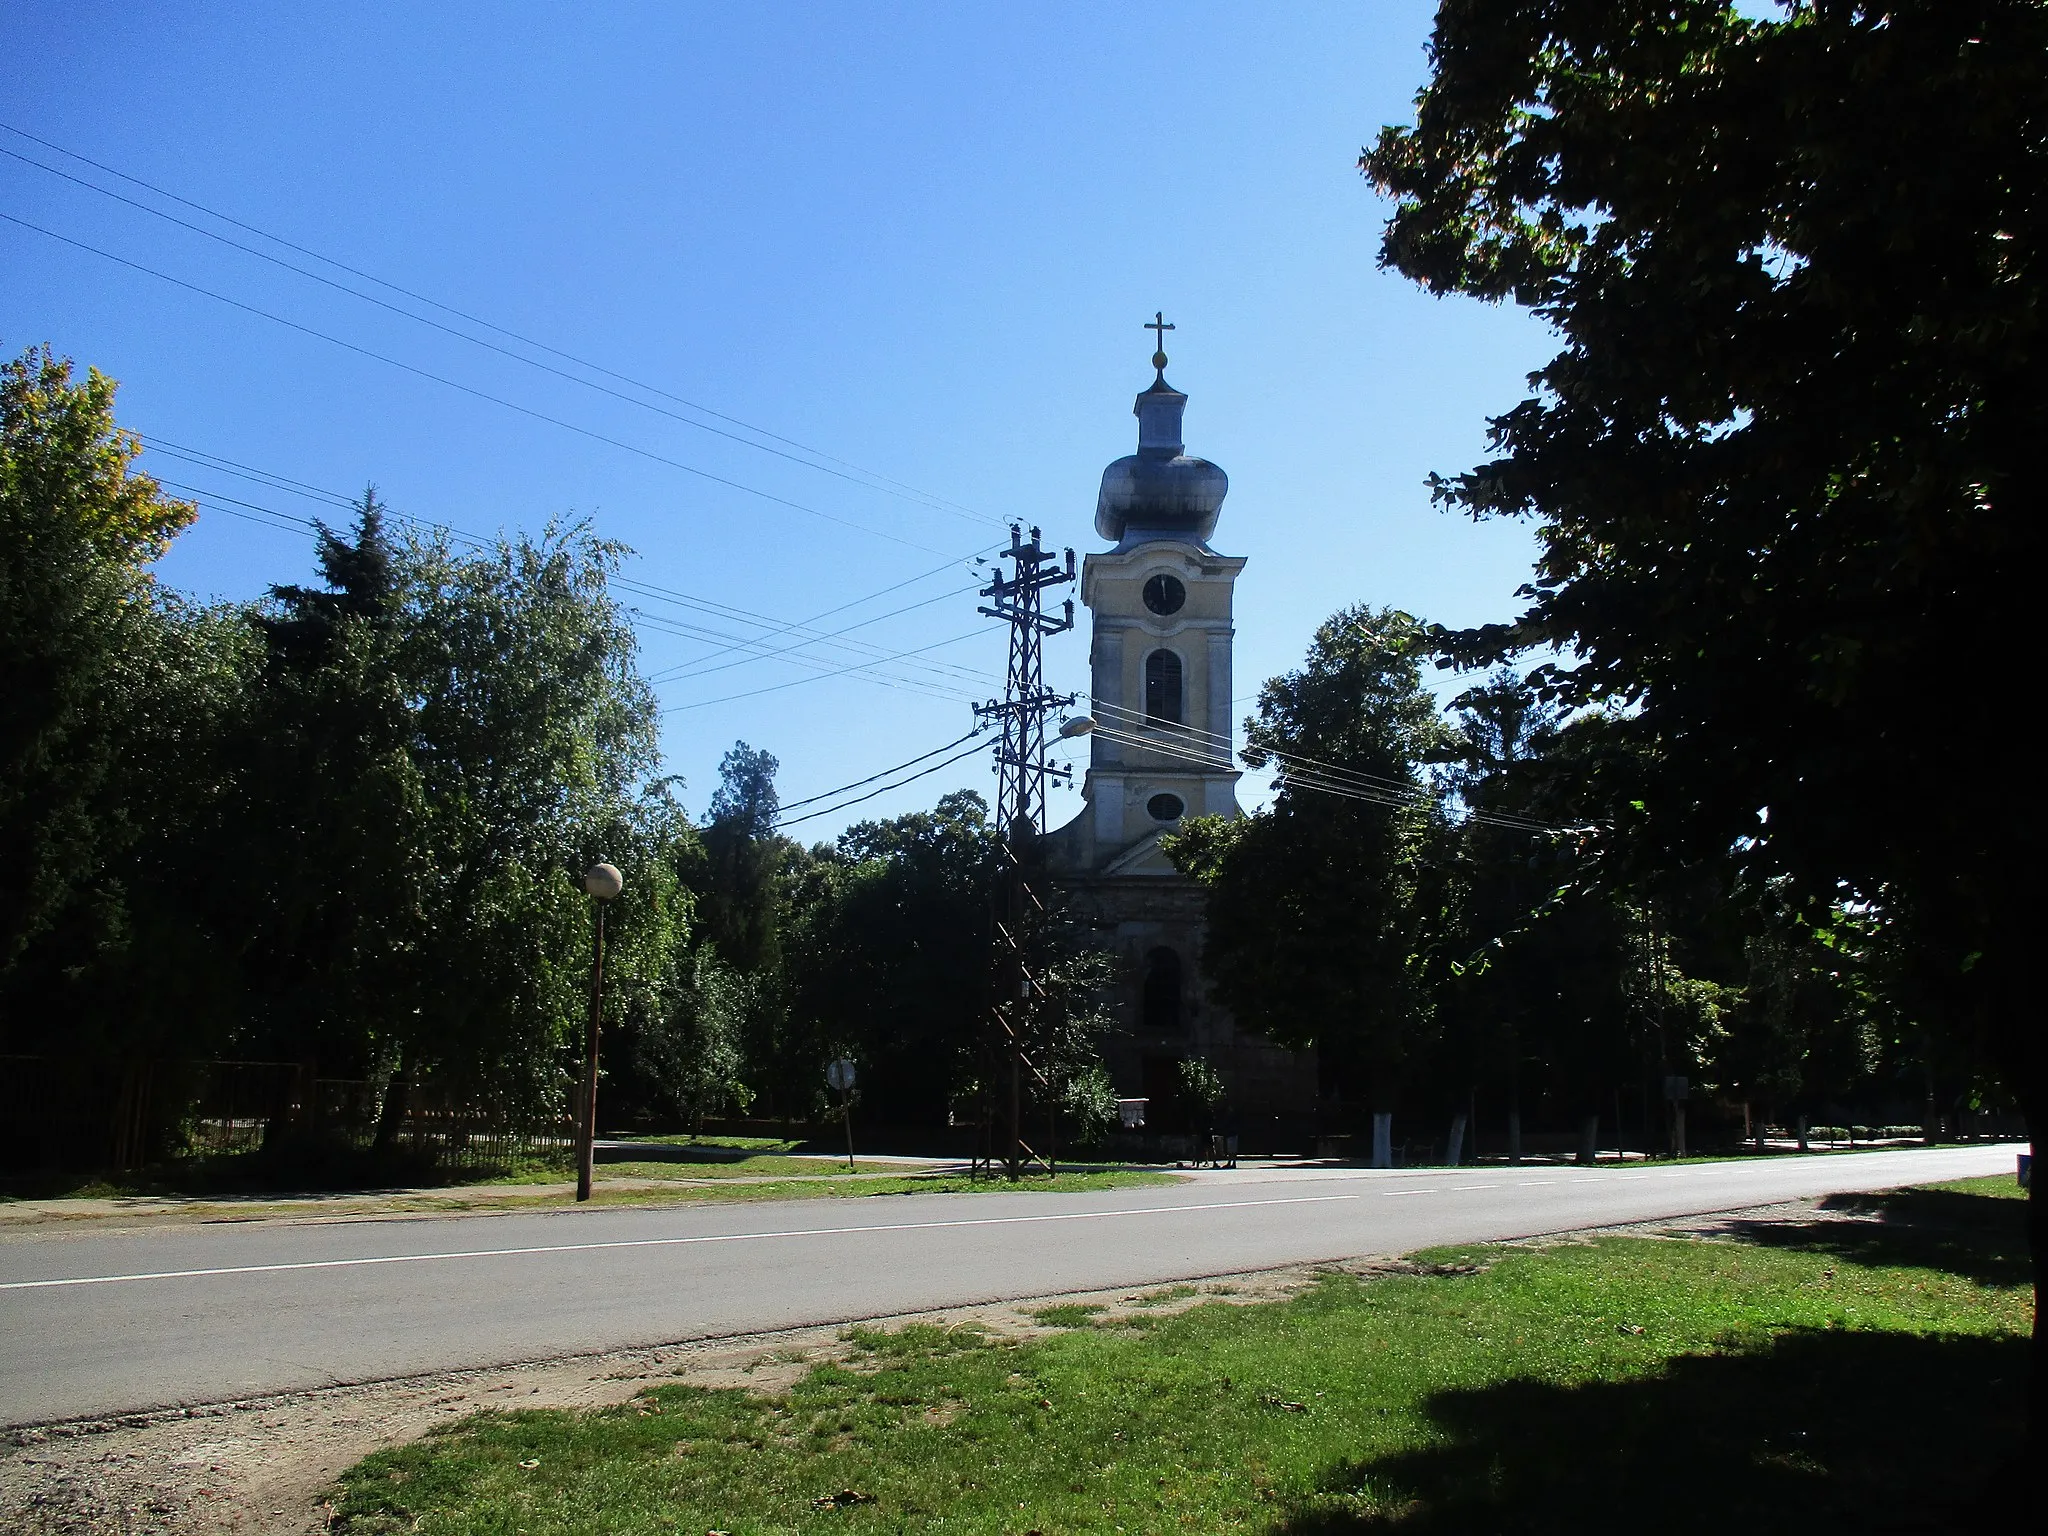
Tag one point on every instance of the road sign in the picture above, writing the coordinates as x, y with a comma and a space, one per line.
840, 1075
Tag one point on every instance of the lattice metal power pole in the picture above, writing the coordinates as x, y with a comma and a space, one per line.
1022, 777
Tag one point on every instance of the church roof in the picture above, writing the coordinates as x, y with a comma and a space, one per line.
1160, 491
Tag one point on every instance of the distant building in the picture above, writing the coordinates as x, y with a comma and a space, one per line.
1163, 748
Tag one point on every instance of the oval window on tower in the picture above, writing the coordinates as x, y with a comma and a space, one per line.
1165, 808
1164, 594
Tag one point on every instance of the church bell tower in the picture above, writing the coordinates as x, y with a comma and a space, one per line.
1163, 749
1159, 656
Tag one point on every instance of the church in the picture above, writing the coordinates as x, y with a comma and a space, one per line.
1163, 747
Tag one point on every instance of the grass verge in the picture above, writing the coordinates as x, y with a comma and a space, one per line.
819, 1187
1865, 1372
748, 1166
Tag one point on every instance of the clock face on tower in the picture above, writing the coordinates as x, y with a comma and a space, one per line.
1164, 594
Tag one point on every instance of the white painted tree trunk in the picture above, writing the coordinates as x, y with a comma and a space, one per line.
1382, 1140
1456, 1154
1802, 1133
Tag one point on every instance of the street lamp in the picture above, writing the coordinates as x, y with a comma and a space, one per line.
603, 882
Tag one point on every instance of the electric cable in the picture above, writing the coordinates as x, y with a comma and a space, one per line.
774, 627
1297, 779
480, 394
1299, 768
797, 682
255, 512
1333, 769
857, 783
449, 330
872, 794
874, 480
690, 669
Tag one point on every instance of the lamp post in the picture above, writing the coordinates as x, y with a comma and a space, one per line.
603, 882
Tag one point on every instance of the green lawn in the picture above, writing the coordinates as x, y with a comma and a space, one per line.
1820, 1376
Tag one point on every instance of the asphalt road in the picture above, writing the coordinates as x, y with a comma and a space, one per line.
123, 1322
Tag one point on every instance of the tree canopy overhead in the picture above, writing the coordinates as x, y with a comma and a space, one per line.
1784, 461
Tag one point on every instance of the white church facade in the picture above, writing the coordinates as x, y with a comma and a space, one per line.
1160, 607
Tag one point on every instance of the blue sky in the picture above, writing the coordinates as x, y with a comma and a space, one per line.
919, 238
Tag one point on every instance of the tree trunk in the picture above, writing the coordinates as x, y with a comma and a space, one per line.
391, 1115
1802, 1134
1589, 1139
1514, 1135
1454, 1154
1382, 1139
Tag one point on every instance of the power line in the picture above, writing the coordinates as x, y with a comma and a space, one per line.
480, 394
857, 783
872, 794
449, 330
873, 479
693, 669
1330, 769
774, 627
1322, 784
1299, 768
797, 682
270, 517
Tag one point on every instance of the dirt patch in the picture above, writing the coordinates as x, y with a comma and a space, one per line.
1723, 1225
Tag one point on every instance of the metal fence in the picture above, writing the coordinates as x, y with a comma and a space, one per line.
86, 1113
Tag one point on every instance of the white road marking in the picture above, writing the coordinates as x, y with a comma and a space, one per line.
679, 1242
756, 1237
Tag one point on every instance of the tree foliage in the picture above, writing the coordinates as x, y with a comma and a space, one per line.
1782, 465
1314, 924
80, 644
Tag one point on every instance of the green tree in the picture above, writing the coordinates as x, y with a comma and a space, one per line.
1314, 904
327, 839
744, 854
80, 627
895, 968
1784, 465
534, 736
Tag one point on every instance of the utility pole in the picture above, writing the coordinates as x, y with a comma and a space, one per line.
604, 883
1022, 776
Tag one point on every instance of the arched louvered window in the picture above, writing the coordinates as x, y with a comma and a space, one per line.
1162, 688
1162, 992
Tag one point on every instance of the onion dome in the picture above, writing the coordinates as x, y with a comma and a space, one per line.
1159, 491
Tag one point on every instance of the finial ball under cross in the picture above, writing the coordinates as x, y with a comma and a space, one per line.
1162, 325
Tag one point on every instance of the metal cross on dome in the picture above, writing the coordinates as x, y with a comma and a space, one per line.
1161, 325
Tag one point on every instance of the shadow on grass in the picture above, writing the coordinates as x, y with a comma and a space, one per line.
1822, 1430
1976, 1236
